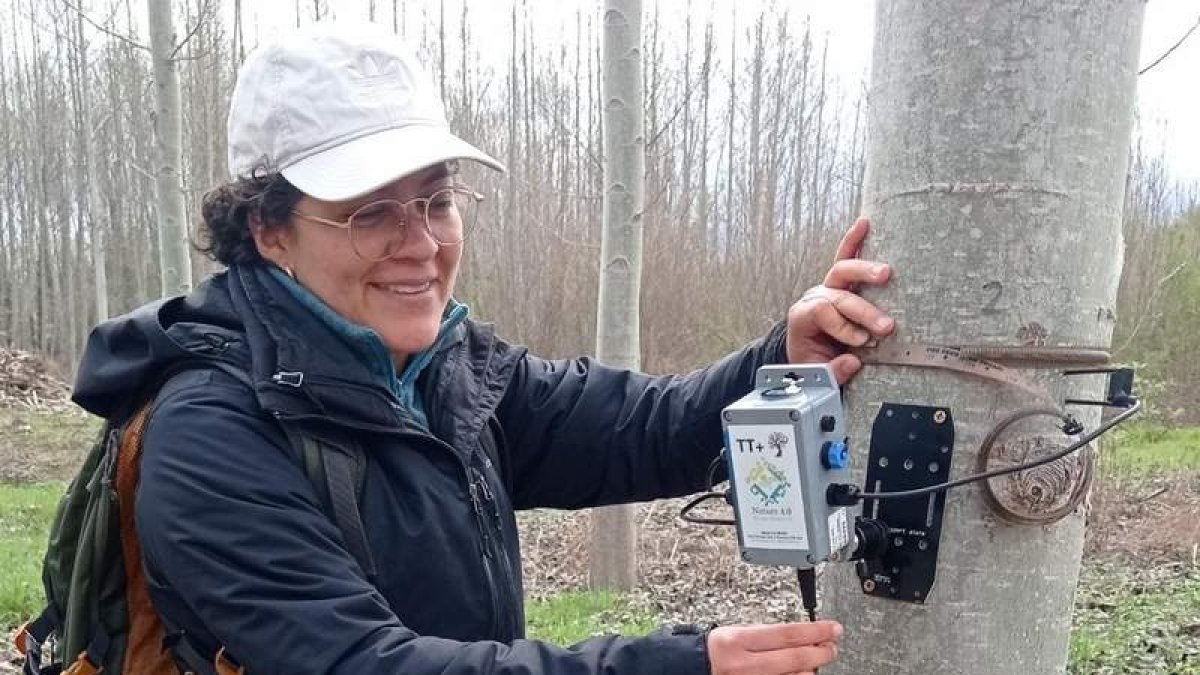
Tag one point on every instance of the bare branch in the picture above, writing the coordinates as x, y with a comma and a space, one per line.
139, 169
107, 31
1158, 287
203, 16
1173, 47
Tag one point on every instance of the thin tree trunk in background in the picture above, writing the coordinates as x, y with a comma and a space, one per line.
687, 140
176, 272
442, 48
706, 73
239, 39
93, 206
614, 533
730, 229
71, 199
814, 215
1008, 226
469, 104
757, 62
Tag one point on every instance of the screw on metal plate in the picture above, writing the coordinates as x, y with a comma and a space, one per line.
868, 585
939, 416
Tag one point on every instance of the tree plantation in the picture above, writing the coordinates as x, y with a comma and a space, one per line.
739, 179
679, 174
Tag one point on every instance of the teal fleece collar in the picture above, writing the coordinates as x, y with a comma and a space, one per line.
366, 344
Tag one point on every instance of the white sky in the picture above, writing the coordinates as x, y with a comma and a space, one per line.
1169, 95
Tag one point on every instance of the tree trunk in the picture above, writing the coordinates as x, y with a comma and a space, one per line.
998, 137
92, 202
176, 266
614, 533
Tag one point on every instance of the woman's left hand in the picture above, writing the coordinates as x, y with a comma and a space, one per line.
831, 317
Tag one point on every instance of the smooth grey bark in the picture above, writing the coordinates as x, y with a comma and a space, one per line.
998, 137
614, 533
95, 207
176, 265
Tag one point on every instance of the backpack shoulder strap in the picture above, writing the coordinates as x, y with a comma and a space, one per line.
144, 642
338, 473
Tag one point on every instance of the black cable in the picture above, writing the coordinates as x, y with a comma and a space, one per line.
1088, 438
807, 576
687, 508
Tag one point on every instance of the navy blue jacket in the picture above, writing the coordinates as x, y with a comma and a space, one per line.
239, 552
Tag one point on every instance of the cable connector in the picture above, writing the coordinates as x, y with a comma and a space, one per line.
842, 494
807, 576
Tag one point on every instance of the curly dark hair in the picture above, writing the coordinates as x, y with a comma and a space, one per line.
226, 213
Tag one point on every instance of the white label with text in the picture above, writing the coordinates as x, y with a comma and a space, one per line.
767, 479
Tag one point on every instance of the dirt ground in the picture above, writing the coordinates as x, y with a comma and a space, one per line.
692, 573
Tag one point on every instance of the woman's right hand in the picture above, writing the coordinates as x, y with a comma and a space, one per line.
774, 649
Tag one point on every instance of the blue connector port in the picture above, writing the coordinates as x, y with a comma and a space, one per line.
835, 455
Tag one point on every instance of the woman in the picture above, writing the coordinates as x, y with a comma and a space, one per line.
343, 231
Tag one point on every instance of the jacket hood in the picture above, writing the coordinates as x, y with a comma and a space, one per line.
128, 355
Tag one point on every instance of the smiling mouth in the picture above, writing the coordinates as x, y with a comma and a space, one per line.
406, 289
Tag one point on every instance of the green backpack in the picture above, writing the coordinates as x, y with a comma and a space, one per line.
98, 614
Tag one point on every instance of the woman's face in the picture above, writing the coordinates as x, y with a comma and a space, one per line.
401, 297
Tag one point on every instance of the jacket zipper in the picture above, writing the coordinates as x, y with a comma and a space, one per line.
505, 563
488, 558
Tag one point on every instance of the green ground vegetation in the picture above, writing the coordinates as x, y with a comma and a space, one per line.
1142, 450
568, 618
25, 514
1136, 622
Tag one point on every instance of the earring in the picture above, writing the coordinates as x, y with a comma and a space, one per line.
287, 270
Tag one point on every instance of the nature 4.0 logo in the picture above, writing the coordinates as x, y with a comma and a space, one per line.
768, 482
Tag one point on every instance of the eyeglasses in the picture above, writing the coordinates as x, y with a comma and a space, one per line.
377, 230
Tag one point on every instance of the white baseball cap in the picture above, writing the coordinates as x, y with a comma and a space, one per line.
340, 110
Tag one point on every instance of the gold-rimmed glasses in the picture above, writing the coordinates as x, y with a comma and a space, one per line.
378, 229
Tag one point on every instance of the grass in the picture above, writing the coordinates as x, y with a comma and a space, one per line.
25, 514
1134, 623
568, 618
1147, 450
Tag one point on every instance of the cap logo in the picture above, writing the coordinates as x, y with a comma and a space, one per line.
382, 78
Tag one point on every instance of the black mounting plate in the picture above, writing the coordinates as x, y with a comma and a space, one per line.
911, 448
